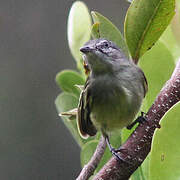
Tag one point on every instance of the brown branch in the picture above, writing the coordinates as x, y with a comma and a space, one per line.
138, 144
89, 168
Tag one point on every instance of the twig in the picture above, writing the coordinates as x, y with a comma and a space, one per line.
89, 168
138, 144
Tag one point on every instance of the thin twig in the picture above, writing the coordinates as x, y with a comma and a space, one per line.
138, 144
89, 168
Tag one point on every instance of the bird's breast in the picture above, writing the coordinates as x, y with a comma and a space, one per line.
111, 105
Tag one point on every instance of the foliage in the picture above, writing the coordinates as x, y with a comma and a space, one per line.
144, 24
164, 160
155, 15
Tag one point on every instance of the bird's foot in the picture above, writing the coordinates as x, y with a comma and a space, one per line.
141, 119
115, 152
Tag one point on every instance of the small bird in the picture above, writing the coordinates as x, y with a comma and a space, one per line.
113, 92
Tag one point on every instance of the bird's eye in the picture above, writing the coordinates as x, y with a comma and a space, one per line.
105, 44
102, 44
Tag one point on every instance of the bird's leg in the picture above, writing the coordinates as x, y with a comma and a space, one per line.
140, 119
113, 150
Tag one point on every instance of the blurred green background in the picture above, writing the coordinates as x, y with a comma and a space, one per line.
34, 143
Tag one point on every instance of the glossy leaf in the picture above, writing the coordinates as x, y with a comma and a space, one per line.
67, 80
145, 22
165, 155
79, 29
158, 65
65, 102
109, 31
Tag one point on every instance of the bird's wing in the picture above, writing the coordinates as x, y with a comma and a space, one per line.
85, 125
145, 83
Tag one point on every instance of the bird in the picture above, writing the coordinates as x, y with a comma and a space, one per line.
113, 92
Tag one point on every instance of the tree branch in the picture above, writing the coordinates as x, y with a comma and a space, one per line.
89, 168
138, 144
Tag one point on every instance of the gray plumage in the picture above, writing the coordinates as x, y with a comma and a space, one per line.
113, 92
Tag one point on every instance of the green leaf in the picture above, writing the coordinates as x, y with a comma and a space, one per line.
145, 167
126, 133
89, 148
109, 31
87, 151
169, 40
176, 22
145, 22
65, 102
67, 80
79, 29
138, 175
95, 31
115, 138
107, 155
158, 65
165, 154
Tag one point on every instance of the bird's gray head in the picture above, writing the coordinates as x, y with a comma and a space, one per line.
101, 54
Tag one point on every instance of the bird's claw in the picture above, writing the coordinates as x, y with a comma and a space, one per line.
115, 153
141, 119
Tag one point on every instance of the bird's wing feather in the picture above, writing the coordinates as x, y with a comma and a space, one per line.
145, 83
85, 125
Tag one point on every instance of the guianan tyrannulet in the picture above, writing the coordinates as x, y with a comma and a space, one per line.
113, 92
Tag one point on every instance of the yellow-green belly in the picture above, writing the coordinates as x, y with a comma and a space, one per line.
113, 110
